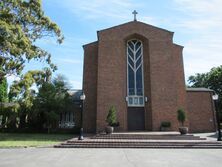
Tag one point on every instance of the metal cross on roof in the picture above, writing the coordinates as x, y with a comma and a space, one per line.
135, 13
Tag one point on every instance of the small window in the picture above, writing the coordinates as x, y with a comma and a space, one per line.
66, 120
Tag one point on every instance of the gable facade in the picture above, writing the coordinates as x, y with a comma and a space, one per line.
129, 51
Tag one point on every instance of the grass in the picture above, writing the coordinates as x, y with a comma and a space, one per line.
31, 140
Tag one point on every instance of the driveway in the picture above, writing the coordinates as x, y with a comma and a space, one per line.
47, 157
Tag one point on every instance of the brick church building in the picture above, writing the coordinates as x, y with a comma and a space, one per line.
137, 68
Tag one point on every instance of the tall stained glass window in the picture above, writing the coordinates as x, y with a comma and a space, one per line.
135, 73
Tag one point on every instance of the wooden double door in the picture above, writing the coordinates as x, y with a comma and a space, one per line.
136, 118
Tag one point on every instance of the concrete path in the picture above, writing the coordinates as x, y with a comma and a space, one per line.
47, 157
208, 136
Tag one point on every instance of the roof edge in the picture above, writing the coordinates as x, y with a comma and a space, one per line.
91, 43
178, 45
135, 22
199, 90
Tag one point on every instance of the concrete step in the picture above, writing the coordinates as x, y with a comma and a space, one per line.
135, 142
141, 141
139, 146
148, 137
116, 144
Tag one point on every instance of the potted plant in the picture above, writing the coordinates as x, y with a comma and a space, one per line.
165, 126
181, 116
111, 120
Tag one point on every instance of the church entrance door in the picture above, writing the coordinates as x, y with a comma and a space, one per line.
135, 119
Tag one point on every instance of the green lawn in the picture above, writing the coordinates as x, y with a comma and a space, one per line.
31, 140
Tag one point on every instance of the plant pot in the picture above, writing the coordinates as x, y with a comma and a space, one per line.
109, 130
164, 128
183, 130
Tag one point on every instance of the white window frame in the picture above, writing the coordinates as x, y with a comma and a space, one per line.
67, 120
135, 98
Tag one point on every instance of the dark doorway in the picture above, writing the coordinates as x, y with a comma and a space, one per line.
136, 119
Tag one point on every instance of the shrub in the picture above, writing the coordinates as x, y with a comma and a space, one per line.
181, 116
165, 124
111, 117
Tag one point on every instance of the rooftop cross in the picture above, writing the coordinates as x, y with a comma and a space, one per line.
135, 13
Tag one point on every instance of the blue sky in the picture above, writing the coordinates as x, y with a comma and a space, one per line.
197, 25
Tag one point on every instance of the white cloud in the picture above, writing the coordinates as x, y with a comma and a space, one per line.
200, 7
76, 84
149, 20
202, 54
198, 22
100, 9
203, 24
12, 78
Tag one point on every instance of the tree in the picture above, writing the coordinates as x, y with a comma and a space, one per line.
111, 117
22, 23
23, 93
52, 99
39, 100
3, 91
199, 80
211, 80
181, 116
3, 98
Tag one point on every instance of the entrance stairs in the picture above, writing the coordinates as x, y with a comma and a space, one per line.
142, 140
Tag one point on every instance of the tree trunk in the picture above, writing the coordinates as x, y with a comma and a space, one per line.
11, 123
48, 129
3, 121
22, 123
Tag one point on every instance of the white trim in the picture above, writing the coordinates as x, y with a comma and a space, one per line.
135, 98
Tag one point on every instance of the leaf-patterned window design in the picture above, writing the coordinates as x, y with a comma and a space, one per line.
135, 73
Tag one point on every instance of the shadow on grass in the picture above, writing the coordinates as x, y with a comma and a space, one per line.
34, 137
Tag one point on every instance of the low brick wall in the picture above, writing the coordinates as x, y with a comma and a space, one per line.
201, 113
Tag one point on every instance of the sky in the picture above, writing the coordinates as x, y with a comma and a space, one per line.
197, 25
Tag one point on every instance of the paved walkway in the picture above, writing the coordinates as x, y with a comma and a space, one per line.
47, 157
208, 136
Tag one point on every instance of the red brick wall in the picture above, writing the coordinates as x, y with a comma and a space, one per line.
164, 77
167, 83
201, 111
90, 86
105, 80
